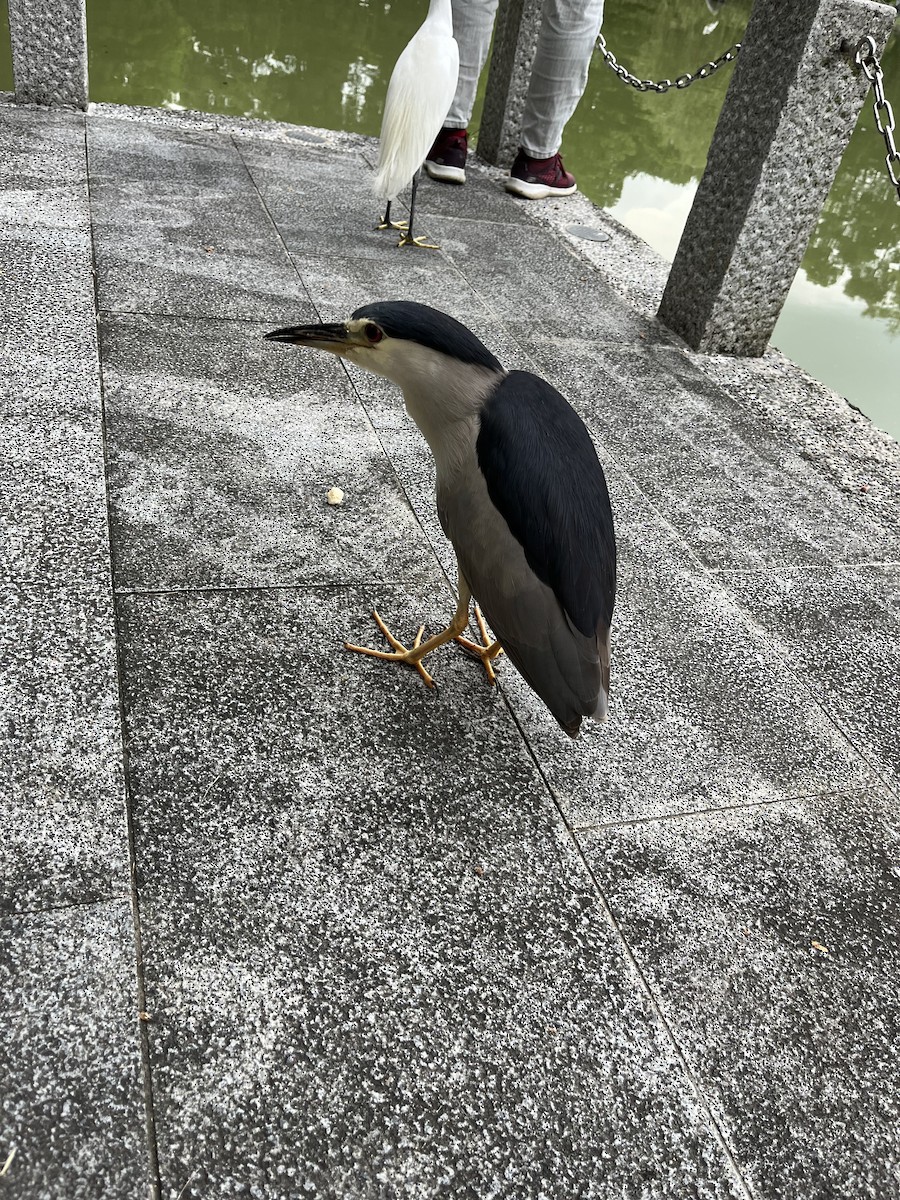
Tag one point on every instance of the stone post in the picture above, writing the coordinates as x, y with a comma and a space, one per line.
49, 51
515, 41
788, 114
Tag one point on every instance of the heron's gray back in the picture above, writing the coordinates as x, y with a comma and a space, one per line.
568, 670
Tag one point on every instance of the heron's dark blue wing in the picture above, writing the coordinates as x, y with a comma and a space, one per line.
544, 477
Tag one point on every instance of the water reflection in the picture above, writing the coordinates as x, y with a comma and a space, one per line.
641, 156
287, 60
5, 53
855, 243
618, 133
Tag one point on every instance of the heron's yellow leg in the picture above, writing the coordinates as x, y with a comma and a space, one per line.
417, 651
487, 651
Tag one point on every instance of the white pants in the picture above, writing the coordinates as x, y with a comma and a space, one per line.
566, 40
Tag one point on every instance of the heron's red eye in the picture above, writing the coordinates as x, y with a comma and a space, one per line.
373, 333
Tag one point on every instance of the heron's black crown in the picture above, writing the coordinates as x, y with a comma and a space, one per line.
418, 323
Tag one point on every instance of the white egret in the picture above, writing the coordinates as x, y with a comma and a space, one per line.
419, 95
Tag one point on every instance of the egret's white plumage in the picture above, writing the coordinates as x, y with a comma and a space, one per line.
419, 95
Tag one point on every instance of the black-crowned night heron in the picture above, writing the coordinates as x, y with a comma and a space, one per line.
520, 494
419, 95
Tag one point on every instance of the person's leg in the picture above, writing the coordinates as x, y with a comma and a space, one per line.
568, 32
473, 23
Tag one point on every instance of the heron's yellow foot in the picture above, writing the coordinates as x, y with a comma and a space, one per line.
487, 651
406, 240
400, 653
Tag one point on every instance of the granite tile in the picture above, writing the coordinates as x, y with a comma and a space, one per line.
72, 1109
192, 257
770, 936
704, 710
482, 198
530, 277
179, 227
337, 221
44, 169
48, 334
840, 629
64, 834
840, 444
636, 273
338, 286
178, 157
222, 448
40, 385
374, 962
734, 484
53, 525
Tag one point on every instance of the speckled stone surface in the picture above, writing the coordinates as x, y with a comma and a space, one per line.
44, 178
377, 961
222, 447
771, 936
395, 981
45, 252
52, 500
179, 227
49, 305
856, 459
511, 270
64, 837
49, 51
841, 631
72, 1094
337, 222
726, 473
339, 285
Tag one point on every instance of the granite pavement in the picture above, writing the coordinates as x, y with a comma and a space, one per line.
277, 921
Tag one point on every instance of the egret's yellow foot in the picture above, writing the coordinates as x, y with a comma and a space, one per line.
406, 240
387, 223
487, 651
384, 223
400, 654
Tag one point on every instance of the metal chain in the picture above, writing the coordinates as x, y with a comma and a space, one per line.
683, 81
867, 59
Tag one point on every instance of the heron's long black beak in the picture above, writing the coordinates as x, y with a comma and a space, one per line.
325, 337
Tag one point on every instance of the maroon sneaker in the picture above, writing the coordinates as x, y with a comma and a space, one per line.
537, 178
446, 159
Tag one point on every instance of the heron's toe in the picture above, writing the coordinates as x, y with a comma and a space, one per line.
487, 650
400, 654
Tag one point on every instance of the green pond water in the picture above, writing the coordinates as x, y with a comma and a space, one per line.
639, 156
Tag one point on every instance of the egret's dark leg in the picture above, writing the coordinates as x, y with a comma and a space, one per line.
408, 239
487, 651
387, 223
417, 651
